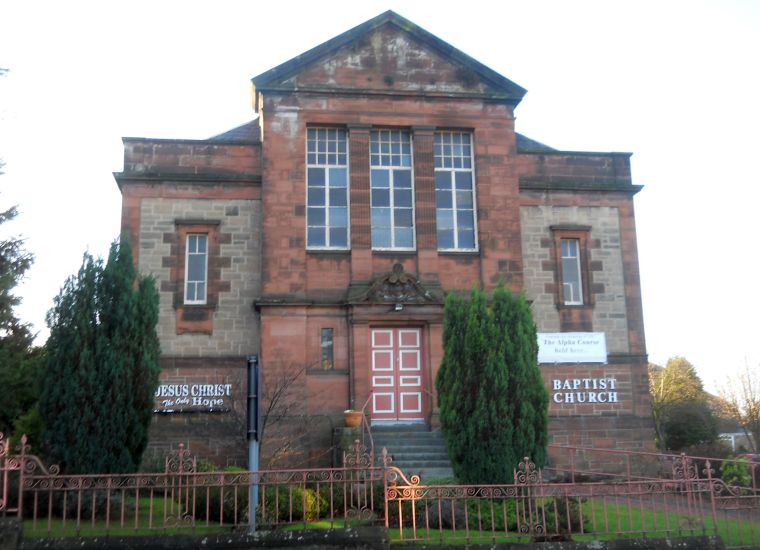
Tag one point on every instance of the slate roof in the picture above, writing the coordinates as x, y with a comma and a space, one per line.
527, 145
274, 78
249, 131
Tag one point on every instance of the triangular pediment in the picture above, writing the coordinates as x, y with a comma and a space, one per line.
389, 55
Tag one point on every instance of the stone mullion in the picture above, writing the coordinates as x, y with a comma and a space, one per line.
361, 228
424, 181
360, 197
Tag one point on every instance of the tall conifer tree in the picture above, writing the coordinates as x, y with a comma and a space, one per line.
527, 395
102, 367
18, 364
493, 402
448, 379
471, 383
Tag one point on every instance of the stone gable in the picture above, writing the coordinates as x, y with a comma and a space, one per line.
391, 60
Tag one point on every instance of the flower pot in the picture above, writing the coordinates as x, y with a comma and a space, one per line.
353, 419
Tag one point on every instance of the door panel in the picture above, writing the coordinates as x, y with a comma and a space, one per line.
397, 375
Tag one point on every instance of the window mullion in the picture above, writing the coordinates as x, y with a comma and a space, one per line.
328, 222
455, 207
392, 202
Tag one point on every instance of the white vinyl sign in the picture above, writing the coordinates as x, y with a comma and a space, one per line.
572, 347
171, 398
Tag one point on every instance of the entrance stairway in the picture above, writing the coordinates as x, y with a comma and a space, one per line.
414, 449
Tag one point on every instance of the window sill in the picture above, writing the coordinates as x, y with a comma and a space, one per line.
194, 319
391, 252
459, 252
327, 372
326, 251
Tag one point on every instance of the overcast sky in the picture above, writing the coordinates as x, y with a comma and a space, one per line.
675, 83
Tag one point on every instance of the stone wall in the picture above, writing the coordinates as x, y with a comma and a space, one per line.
190, 157
234, 330
609, 312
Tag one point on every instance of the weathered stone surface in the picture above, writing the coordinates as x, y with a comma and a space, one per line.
360, 538
10, 533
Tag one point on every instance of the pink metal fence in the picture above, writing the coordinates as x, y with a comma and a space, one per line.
582, 464
586, 494
183, 499
532, 509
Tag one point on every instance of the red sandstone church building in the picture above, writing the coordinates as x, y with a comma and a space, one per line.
382, 172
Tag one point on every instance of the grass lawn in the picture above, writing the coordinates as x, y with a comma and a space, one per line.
640, 522
138, 520
621, 522
604, 521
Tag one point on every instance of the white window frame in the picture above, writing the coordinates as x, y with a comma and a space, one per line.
438, 161
331, 160
194, 252
391, 168
575, 262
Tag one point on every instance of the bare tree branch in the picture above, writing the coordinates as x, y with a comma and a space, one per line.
740, 401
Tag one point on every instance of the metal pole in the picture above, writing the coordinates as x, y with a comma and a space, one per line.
253, 436
253, 467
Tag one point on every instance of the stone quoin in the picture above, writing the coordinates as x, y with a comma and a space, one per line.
381, 171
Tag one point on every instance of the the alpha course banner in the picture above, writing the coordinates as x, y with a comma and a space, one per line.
572, 347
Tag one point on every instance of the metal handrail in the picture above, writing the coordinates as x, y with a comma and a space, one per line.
431, 405
366, 427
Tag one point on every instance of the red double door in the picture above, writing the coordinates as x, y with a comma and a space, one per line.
397, 375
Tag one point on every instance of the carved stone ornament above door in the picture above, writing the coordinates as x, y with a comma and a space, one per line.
396, 286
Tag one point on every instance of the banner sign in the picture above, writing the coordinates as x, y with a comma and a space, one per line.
174, 398
572, 347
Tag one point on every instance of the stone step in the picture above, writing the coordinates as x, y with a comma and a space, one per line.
414, 447
418, 428
395, 449
417, 463
408, 440
429, 474
394, 426
420, 454
415, 450
408, 437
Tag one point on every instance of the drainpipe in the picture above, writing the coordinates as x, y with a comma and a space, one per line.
351, 370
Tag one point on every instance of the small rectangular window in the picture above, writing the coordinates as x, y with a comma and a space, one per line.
454, 191
327, 349
327, 193
196, 268
392, 190
572, 293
